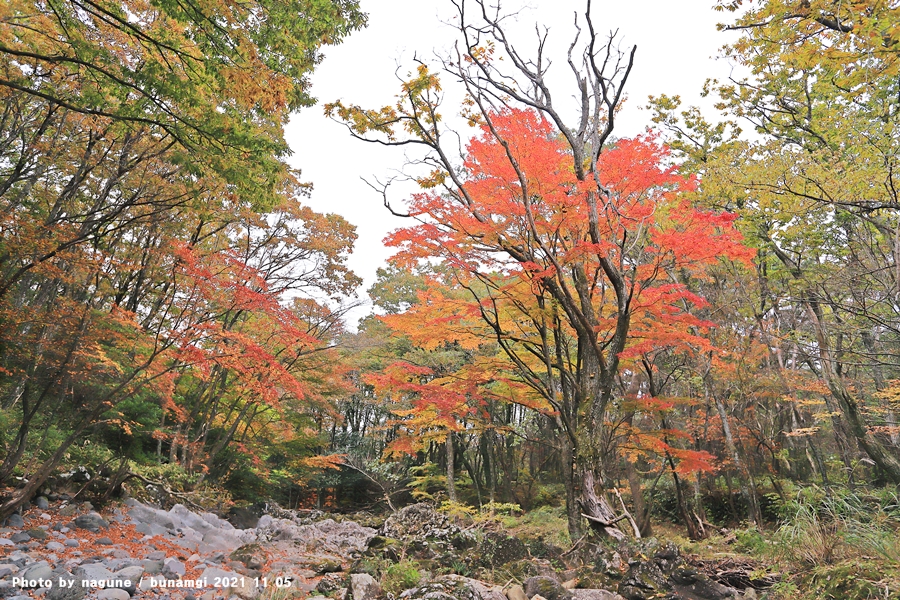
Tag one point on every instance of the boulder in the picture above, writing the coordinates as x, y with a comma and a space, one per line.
15, 520
113, 594
546, 587
499, 549
364, 587
465, 587
245, 588
91, 521
76, 592
173, 568
689, 582
252, 556
331, 582
323, 537
418, 521
516, 592
40, 570
430, 591
328, 565
591, 594
645, 580
132, 574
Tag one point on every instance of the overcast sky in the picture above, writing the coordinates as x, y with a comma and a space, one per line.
677, 47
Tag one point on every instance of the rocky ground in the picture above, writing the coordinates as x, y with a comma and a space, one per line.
62, 550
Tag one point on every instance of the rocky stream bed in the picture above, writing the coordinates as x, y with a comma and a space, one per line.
63, 550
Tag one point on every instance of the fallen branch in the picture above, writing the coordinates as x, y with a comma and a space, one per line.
637, 531
602, 522
575, 545
163, 487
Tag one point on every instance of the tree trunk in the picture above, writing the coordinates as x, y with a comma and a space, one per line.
573, 511
641, 513
748, 490
451, 478
886, 460
597, 510
694, 527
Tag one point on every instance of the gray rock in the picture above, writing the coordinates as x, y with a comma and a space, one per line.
498, 549
54, 546
152, 567
472, 589
94, 572
131, 575
105, 541
691, 583
323, 537
364, 587
645, 580
71, 543
246, 587
547, 587
173, 567
264, 522
6, 542
331, 582
39, 570
113, 594
157, 555
516, 592
42, 503
120, 563
434, 590
588, 594
76, 592
126, 579
20, 538
253, 556
418, 521
91, 521
15, 520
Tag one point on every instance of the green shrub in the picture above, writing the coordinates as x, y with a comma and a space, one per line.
751, 541
401, 576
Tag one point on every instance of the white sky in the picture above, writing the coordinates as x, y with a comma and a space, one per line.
677, 44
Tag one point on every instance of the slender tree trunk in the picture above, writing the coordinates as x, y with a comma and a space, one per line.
641, 513
748, 489
451, 478
887, 461
694, 527
573, 512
